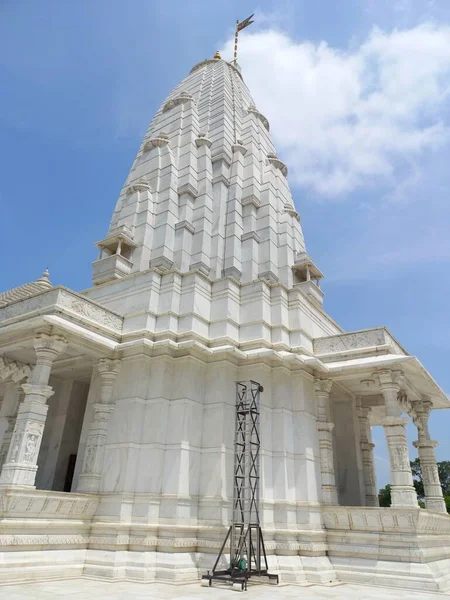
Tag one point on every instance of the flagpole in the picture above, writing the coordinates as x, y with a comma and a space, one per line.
239, 27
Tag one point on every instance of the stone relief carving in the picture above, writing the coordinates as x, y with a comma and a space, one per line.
430, 474
400, 458
349, 341
90, 311
91, 457
11, 368
31, 447
15, 447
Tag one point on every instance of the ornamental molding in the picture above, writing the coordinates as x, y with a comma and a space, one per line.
188, 188
222, 156
141, 185
322, 386
252, 110
13, 369
185, 225
57, 298
51, 505
44, 540
272, 159
202, 140
182, 98
357, 340
380, 520
290, 210
159, 141
221, 179
86, 308
251, 200
250, 235
240, 148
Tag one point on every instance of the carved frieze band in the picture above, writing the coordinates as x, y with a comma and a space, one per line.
65, 299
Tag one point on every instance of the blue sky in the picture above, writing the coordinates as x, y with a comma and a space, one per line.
357, 96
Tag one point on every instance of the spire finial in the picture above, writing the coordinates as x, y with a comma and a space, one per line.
45, 278
239, 27
217, 55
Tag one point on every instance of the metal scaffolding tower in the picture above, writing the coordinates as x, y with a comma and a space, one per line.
247, 553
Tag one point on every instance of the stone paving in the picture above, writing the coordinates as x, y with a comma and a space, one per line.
85, 589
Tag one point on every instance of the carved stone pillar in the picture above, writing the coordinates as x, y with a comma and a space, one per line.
21, 462
366, 445
91, 473
8, 414
402, 487
434, 499
325, 429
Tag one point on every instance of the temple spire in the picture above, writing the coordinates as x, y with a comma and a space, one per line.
207, 191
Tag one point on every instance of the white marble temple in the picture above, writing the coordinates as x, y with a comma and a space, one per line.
118, 403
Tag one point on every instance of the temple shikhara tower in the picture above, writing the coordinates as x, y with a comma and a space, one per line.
117, 403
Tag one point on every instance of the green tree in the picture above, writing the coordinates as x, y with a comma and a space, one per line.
384, 496
447, 503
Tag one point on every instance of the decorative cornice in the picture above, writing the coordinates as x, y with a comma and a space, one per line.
185, 225
239, 148
277, 163
162, 139
288, 208
187, 188
221, 179
181, 99
141, 185
251, 199
162, 263
202, 140
250, 235
227, 159
253, 111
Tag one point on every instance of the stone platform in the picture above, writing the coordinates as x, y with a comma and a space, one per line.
85, 589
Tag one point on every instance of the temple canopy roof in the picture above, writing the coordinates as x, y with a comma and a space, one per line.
26, 290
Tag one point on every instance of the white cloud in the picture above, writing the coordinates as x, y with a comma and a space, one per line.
347, 120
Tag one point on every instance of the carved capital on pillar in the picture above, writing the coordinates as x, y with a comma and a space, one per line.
388, 380
394, 421
108, 366
37, 393
425, 444
322, 386
367, 446
48, 346
108, 369
323, 426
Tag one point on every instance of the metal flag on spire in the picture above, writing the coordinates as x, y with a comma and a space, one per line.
239, 27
